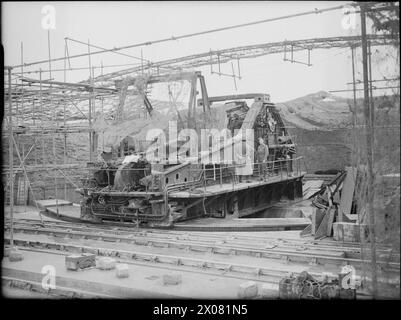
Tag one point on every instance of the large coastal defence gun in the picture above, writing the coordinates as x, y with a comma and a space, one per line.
166, 189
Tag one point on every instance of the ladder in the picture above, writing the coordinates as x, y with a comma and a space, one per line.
22, 191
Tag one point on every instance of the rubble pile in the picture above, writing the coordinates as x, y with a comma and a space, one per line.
335, 210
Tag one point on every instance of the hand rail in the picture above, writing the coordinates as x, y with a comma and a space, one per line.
228, 172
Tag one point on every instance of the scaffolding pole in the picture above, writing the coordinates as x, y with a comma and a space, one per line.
64, 122
41, 112
22, 75
90, 103
11, 160
369, 118
353, 85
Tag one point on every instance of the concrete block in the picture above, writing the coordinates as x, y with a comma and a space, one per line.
122, 270
268, 291
247, 290
350, 232
105, 263
80, 261
14, 255
172, 279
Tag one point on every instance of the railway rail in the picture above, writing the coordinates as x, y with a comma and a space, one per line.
308, 251
172, 262
165, 262
233, 237
59, 292
254, 256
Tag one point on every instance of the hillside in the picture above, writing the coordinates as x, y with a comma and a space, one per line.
321, 124
320, 110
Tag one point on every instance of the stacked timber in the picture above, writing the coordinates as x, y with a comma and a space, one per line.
311, 188
334, 210
327, 178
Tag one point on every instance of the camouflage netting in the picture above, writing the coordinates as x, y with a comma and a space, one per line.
386, 182
318, 123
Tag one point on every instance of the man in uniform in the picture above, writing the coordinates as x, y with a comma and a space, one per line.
262, 155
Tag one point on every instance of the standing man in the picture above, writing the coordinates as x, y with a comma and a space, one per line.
262, 154
106, 155
234, 123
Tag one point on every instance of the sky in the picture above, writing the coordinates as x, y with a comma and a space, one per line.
115, 24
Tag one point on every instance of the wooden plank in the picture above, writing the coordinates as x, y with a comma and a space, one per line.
331, 213
336, 197
252, 210
235, 97
52, 203
317, 217
243, 223
325, 177
314, 184
322, 229
22, 192
273, 221
311, 187
66, 211
306, 231
347, 192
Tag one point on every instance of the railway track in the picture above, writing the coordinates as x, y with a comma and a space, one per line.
309, 251
283, 252
170, 262
59, 292
270, 258
165, 262
196, 235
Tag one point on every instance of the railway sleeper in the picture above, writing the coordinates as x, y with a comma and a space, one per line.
75, 248
121, 230
190, 262
348, 253
38, 287
216, 250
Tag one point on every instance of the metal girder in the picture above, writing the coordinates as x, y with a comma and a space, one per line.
252, 51
86, 87
56, 92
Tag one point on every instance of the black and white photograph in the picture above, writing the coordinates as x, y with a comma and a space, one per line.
176, 151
